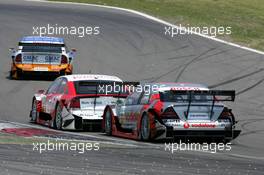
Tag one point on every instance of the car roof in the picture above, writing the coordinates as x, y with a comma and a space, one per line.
42, 39
92, 77
162, 86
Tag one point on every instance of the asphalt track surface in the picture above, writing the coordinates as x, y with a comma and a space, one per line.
136, 49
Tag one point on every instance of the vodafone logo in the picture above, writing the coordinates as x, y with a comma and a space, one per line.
203, 125
199, 125
186, 125
185, 89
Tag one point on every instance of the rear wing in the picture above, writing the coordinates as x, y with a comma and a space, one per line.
209, 95
218, 95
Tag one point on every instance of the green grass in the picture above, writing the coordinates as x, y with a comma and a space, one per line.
246, 17
6, 138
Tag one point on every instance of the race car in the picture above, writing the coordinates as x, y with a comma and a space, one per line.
75, 102
41, 55
172, 110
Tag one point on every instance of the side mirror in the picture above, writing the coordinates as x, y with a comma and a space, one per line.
41, 91
73, 50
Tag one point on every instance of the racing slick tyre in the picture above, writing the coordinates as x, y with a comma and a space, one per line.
108, 122
11, 75
62, 73
145, 128
18, 74
34, 113
58, 118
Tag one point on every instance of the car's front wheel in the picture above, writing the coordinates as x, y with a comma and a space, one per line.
145, 128
108, 122
58, 118
34, 112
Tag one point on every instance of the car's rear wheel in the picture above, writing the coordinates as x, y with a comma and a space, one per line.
10, 75
62, 73
34, 112
145, 128
58, 118
19, 74
108, 122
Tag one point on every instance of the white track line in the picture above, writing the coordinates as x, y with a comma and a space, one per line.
125, 141
154, 19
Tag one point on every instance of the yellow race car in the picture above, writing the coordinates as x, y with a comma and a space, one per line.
41, 56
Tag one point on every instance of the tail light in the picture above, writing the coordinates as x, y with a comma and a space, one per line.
18, 58
75, 103
64, 59
39, 104
169, 113
226, 115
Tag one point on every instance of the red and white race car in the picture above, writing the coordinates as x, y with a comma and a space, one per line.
74, 102
167, 110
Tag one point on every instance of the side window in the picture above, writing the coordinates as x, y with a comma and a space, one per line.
145, 98
62, 86
54, 86
135, 98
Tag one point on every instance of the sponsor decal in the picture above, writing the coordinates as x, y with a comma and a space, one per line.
41, 69
203, 125
186, 125
185, 89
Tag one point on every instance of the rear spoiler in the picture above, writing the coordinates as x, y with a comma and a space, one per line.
229, 95
218, 95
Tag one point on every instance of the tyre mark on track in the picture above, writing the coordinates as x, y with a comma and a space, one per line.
250, 87
236, 78
191, 61
252, 132
153, 79
180, 57
249, 121
165, 51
